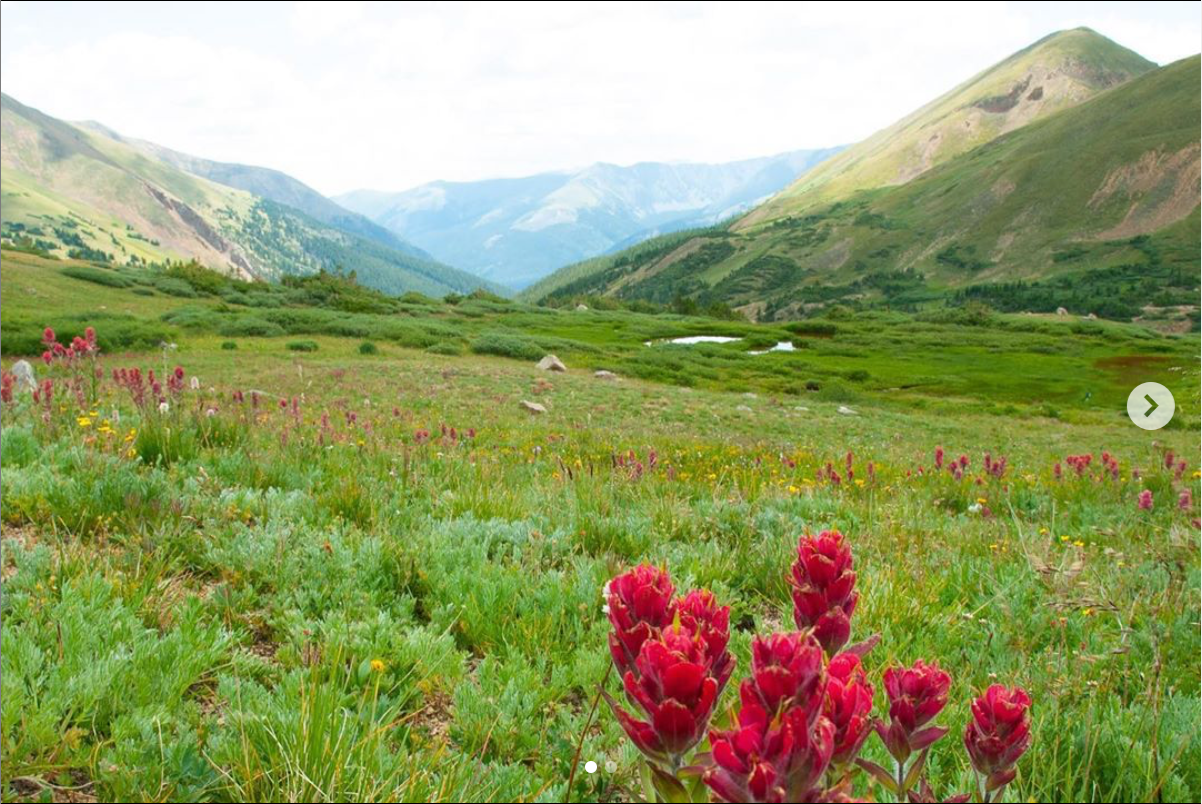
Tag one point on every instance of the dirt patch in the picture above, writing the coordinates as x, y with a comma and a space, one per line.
676, 255
34, 788
1133, 368
998, 104
23, 535
434, 719
1162, 188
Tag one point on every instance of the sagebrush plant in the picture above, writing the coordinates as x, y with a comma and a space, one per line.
805, 710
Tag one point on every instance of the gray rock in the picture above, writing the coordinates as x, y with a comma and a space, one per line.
1061, 311
846, 411
532, 408
552, 363
582, 308
24, 374
602, 374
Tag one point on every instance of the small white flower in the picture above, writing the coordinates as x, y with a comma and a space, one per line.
975, 508
195, 383
605, 591
164, 407
211, 412
605, 609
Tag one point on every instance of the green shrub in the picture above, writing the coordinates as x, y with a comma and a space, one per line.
229, 346
250, 326
175, 287
141, 290
114, 332
100, 276
514, 346
445, 348
820, 329
368, 348
302, 346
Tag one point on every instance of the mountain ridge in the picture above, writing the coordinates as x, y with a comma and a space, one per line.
518, 229
77, 192
1083, 203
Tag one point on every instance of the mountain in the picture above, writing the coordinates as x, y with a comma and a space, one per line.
1055, 73
517, 230
68, 189
268, 183
1092, 205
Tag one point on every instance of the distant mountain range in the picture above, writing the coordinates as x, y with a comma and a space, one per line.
515, 231
1067, 174
85, 190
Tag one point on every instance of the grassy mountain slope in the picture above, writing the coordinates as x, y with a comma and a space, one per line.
69, 191
1089, 208
1055, 73
267, 183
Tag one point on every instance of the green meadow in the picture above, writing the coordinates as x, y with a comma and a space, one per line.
342, 562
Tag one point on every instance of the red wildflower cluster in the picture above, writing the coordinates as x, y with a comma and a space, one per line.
782, 745
848, 707
634, 467
1079, 463
1144, 501
917, 695
996, 468
79, 346
998, 734
7, 383
142, 390
805, 711
672, 653
828, 474
823, 584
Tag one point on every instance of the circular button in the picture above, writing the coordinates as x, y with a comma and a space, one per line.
1151, 405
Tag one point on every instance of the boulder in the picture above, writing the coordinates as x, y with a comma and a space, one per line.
602, 374
582, 308
533, 408
552, 363
1061, 311
846, 411
23, 373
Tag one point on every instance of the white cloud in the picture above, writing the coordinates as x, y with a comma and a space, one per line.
347, 95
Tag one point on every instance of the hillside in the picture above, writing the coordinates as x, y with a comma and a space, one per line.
1093, 208
70, 191
1057, 72
268, 183
517, 230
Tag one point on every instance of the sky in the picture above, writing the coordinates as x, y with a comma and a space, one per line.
346, 95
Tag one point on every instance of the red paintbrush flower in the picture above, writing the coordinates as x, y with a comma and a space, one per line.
639, 604
700, 613
824, 596
786, 671
998, 734
916, 695
782, 745
675, 690
848, 706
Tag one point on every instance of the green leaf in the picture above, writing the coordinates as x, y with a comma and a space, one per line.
880, 774
669, 787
